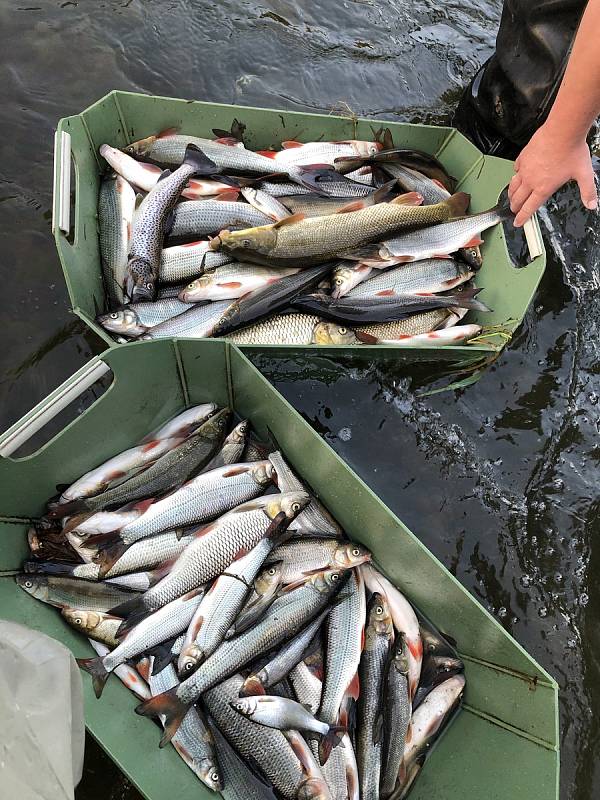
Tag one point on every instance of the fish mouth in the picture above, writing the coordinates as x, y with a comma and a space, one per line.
216, 242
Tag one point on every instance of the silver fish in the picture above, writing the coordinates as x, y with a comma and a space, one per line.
201, 499
264, 591
194, 740
185, 422
396, 715
265, 203
307, 681
300, 557
116, 203
345, 627
412, 181
168, 621
202, 217
429, 275
198, 322
293, 328
238, 780
315, 519
233, 447
137, 318
232, 281
184, 261
150, 226
72, 592
379, 635
97, 625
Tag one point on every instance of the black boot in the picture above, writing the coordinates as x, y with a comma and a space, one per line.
511, 95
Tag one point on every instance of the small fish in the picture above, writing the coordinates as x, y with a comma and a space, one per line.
136, 319
232, 281
300, 329
264, 591
116, 204
284, 714
60, 591
265, 203
307, 153
300, 557
150, 225
184, 261
201, 320
410, 180
413, 325
396, 714
379, 635
315, 205
430, 275
442, 338
97, 625
440, 662
201, 217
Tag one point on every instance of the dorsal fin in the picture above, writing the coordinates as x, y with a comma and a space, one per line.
288, 221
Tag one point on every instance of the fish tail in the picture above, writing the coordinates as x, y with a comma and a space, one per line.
310, 176
132, 606
102, 539
75, 521
49, 567
107, 557
95, 666
467, 299
503, 210
202, 164
252, 686
168, 705
458, 204
67, 509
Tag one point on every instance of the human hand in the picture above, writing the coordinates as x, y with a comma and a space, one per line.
543, 166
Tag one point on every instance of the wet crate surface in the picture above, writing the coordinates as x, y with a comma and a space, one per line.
120, 118
509, 714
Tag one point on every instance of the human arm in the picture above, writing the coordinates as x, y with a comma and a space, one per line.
558, 151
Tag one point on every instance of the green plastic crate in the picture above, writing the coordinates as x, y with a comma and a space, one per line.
120, 118
504, 741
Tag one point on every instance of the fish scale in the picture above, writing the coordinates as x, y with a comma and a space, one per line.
209, 554
429, 275
280, 329
201, 499
267, 748
181, 262
201, 217
410, 326
287, 614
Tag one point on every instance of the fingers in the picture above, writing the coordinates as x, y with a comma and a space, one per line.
519, 197
587, 188
530, 206
514, 185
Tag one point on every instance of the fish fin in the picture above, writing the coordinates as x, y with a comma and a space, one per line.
311, 174
107, 557
458, 204
132, 605
274, 531
503, 210
202, 164
291, 143
67, 509
131, 621
95, 666
288, 221
167, 132
252, 686
466, 299
61, 487
230, 284
235, 471
164, 174
227, 195
227, 139
329, 741
169, 705
442, 255
366, 338
143, 505
384, 191
353, 689
267, 153
76, 520
102, 538
143, 668
161, 656
474, 242
354, 205
408, 199
385, 293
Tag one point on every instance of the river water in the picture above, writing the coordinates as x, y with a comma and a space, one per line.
510, 465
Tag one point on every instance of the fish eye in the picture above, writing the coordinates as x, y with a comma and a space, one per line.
246, 243
114, 315
190, 286
189, 666
295, 506
272, 571
77, 620
214, 776
239, 706
355, 551
338, 281
342, 331
379, 610
148, 285
28, 584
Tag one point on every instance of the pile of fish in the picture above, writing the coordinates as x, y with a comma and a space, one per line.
278, 660
352, 242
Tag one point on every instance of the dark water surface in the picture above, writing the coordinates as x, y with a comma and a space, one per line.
510, 466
